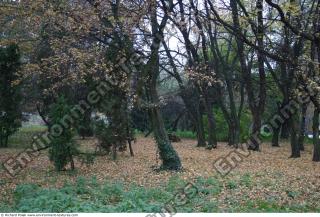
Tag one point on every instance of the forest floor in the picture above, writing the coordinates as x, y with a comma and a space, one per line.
265, 181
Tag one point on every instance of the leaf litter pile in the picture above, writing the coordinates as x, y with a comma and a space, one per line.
265, 181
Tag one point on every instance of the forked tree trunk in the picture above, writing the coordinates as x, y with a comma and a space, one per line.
256, 108
169, 157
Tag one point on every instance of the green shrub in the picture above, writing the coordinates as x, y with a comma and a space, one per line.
222, 130
25, 191
245, 124
175, 183
105, 135
246, 180
231, 184
87, 195
221, 126
10, 92
5, 208
208, 186
186, 134
23, 137
63, 147
209, 207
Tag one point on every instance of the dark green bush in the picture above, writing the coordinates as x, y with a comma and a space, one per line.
222, 129
63, 147
10, 93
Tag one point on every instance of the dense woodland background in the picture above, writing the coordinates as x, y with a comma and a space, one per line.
101, 76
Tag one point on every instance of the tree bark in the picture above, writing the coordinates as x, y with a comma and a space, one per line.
200, 133
275, 137
256, 108
302, 127
130, 148
4, 140
169, 157
212, 137
234, 133
316, 142
191, 99
295, 149
256, 116
193, 107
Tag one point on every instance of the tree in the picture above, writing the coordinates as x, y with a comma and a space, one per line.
170, 158
10, 92
63, 147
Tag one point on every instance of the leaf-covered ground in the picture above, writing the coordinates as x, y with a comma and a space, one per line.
265, 181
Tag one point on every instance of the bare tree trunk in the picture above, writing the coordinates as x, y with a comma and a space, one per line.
256, 116
130, 148
114, 151
276, 130
2, 145
257, 108
191, 99
285, 127
316, 142
4, 140
234, 133
72, 163
302, 127
285, 132
200, 129
231, 134
295, 149
212, 137
275, 137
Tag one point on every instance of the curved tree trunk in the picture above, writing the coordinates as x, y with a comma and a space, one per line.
169, 157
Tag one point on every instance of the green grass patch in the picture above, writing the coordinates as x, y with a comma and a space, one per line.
90, 195
23, 137
186, 134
